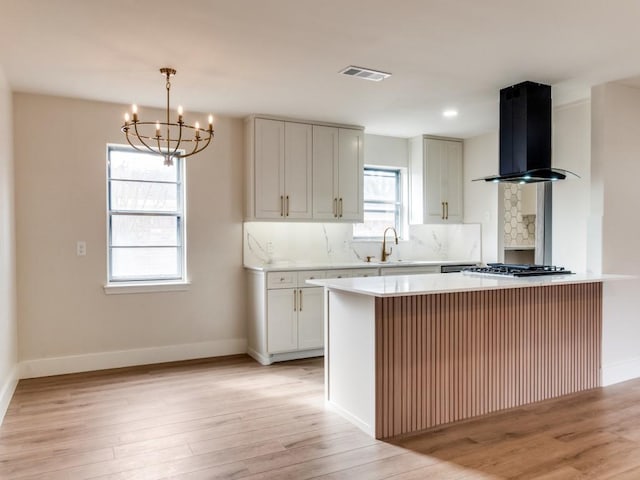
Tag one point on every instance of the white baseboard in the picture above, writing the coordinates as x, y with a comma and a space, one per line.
44, 367
357, 421
620, 371
268, 359
6, 392
258, 357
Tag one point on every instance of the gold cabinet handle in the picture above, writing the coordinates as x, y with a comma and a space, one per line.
341, 208
335, 207
295, 301
300, 302
447, 209
442, 210
286, 209
281, 206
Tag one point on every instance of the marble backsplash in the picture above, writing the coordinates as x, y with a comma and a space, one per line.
331, 243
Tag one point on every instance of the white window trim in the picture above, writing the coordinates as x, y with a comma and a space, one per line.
148, 286
141, 287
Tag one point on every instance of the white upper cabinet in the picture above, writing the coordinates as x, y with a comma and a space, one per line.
303, 171
436, 180
298, 138
282, 162
351, 175
338, 173
269, 168
325, 172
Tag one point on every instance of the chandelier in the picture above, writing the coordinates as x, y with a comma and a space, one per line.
169, 136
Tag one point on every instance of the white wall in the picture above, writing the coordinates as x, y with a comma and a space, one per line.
8, 322
386, 151
614, 228
571, 197
66, 322
481, 199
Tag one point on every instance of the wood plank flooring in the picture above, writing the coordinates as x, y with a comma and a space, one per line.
233, 418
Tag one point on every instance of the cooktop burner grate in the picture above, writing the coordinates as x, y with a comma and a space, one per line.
517, 270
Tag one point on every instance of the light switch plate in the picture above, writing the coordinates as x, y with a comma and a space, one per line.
81, 248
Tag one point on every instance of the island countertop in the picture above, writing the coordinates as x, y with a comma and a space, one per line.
404, 285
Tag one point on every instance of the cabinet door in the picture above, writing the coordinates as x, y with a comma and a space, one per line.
325, 172
350, 175
311, 318
297, 169
269, 168
282, 324
452, 182
435, 155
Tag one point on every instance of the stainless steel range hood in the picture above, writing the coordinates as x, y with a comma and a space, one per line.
525, 136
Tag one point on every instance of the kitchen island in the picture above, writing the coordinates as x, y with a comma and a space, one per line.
408, 353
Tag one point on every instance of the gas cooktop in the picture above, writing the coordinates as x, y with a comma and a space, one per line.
516, 270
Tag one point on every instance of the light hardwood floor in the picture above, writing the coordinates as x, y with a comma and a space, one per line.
233, 418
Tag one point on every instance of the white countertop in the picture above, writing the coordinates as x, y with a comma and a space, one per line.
282, 266
402, 285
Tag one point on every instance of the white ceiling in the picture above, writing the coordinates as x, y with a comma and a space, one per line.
281, 57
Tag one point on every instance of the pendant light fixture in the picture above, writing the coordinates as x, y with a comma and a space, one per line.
169, 139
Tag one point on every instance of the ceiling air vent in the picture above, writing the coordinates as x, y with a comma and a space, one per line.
364, 73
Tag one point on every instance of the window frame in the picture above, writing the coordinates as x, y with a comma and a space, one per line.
179, 214
399, 204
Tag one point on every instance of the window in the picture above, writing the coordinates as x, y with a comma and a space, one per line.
145, 217
383, 202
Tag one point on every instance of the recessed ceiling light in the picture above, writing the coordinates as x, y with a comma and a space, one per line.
364, 73
450, 113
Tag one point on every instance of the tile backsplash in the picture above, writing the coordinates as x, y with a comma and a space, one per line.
519, 230
327, 243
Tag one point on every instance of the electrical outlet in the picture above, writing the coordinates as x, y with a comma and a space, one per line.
269, 247
81, 248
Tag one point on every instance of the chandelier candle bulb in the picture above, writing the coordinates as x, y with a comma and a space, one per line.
158, 129
210, 123
180, 112
134, 110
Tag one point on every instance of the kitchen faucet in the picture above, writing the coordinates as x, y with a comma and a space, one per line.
386, 254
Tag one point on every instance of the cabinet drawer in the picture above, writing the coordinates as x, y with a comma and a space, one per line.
409, 270
310, 275
365, 272
354, 272
282, 280
339, 273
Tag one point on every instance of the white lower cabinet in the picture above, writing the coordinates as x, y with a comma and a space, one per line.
295, 319
310, 318
282, 321
286, 315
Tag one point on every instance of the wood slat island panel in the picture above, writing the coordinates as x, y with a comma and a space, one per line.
447, 357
